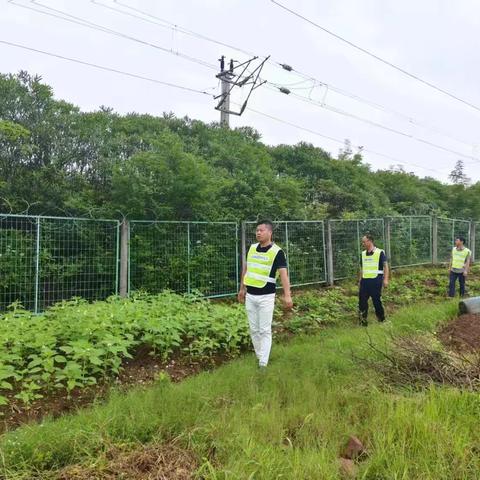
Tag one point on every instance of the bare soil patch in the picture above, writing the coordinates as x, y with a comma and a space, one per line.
462, 334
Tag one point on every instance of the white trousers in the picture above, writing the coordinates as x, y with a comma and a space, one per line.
260, 315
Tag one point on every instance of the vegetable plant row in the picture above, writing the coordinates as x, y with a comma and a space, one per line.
76, 343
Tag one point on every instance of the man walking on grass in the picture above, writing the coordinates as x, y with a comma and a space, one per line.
459, 266
373, 276
265, 262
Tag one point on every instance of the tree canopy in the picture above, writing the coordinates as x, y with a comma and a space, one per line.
56, 160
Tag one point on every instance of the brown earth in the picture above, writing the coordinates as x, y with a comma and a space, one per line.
150, 462
142, 369
462, 334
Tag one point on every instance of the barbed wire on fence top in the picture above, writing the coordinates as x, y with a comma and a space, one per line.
46, 259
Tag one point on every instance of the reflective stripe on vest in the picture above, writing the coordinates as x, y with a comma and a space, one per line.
459, 257
259, 266
370, 264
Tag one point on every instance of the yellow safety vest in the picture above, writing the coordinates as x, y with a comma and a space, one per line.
459, 257
259, 266
370, 264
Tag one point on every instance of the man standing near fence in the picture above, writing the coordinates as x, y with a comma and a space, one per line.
459, 266
373, 276
265, 262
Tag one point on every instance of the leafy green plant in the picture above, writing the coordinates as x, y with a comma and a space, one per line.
74, 343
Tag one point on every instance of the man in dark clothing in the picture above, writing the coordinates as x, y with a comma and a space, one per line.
459, 266
373, 276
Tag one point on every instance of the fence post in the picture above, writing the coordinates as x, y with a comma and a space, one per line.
330, 272
473, 233
325, 269
287, 250
243, 236
359, 239
388, 249
37, 266
124, 257
434, 240
237, 273
189, 257
117, 257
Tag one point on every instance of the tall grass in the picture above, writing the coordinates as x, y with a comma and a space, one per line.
288, 423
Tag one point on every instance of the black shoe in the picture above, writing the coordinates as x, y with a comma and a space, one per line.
363, 321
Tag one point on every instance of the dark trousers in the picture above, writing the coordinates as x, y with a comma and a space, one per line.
371, 288
453, 280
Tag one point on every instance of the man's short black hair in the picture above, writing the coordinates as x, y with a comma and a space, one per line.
266, 222
459, 237
369, 236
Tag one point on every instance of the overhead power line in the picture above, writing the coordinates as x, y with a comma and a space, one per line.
336, 140
314, 82
376, 57
105, 68
170, 25
202, 92
373, 123
65, 16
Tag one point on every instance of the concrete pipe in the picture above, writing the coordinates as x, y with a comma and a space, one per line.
470, 305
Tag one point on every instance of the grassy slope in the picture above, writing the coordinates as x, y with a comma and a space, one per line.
290, 423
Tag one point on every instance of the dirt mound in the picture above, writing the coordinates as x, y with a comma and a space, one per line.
462, 334
152, 462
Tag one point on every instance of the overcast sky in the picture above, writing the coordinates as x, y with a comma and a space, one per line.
437, 40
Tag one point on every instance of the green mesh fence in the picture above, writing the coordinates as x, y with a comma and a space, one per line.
346, 243
44, 260
18, 260
184, 257
410, 241
304, 245
47, 259
448, 229
477, 242
78, 258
